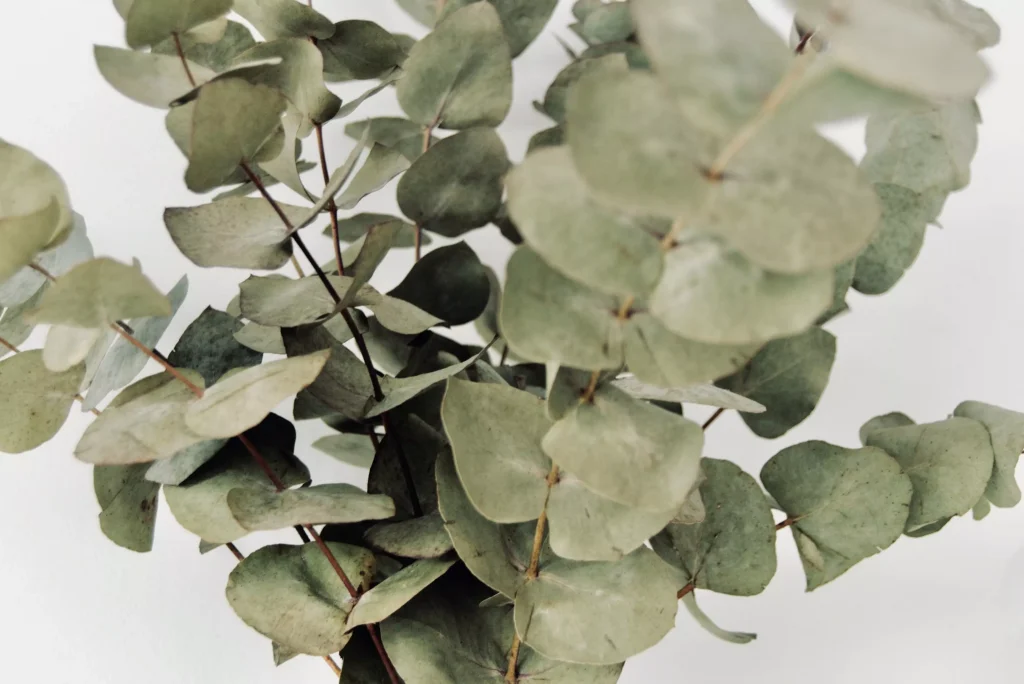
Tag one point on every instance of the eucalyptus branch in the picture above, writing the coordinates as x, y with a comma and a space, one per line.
332, 207
714, 416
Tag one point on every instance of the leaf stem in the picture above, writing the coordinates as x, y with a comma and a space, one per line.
181, 56
685, 590
712, 419
511, 674
332, 207
785, 523
428, 131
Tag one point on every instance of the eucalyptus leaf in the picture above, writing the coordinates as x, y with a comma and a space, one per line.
460, 75
401, 134
381, 165
354, 449
218, 55
522, 20
894, 248
151, 21
449, 283
423, 537
1006, 430
704, 621
181, 466
355, 227
29, 185
397, 391
343, 385
128, 504
261, 508
846, 504
149, 78
28, 283
893, 419
33, 417
265, 339
708, 395
387, 597
208, 346
284, 19
360, 50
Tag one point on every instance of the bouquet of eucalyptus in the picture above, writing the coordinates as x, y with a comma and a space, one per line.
537, 505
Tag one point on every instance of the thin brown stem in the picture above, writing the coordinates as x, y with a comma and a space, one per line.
9, 346
384, 657
297, 266
591, 390
785, 523
235, 552
542, 519
181, 56
712, 419
685, 590
332, 208
174, 372
318, 540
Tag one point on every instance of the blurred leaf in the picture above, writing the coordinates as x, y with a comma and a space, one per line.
33, 401
151, 21
284, 19
522, 20
149, 78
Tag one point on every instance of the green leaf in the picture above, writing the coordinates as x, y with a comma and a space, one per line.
522, 20
123, 361
717, 56
149, 78
422, 537
893, 419
732, 551
128, 504
14, 328
403, 135
208, 346
28, 191
847, 504
265, 339
397, 391
200, 504
151, 21
181, 466
356, 227
343, 386
373, 249
234, 122
292, 595
218, 55
241, 401
1006, 430
261, 508
597, 442
566, 225
787, 376
24, 237
707, 395
972, 22
240, 232
97, 293
704, 621
905, 218
609, 23
457, 184
284, 19
949, 463
337, 180
68, 346
598, 613
28, 283
449, 283
381, 165
354, 449
146, 422
360, 50
928, 58
33, 401
981, 509
387, 597
460, 75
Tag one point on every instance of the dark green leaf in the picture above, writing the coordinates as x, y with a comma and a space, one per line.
449, 282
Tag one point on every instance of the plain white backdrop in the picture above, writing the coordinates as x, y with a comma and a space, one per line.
947, 609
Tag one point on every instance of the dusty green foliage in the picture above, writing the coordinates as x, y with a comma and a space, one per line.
682, 235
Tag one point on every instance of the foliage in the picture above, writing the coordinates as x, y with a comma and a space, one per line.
539, 504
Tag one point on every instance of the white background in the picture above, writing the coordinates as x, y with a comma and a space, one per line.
946, 609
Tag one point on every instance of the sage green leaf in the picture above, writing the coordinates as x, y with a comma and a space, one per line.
1006, 430
295, 68
261, 508
265, 339
354, 228
457, 184
284, 19
286, 167
564, 223
373, 249
443, 636
704, 621
381, 165
929, 58
717, 56
397, 391
972, 22
343, 386
549, 137
337, 180
67, 346
281, 654
151, 21
234, 122
423, 537
404, 466
905, 218
499, 458
449, 283
30, 185
28, 283
241, 401
522, 20
149, 78
396, 314
181, 466
547, 317
387, 597
459, 75
632, 144
708, 395
284, 302
732, 551
664, 359
360, 50
128, 504
24, 237
405, 136
354, 449
609, 23
123, 361
843, 281
787, 376
349, 108
240, 232
497, 555
894, 419
598, 613
949, 463
424, 11
14, 327
218, 55
33, 401
200, 503
981, 509
292, 595
208, 346
597, 442
145, 423
97, 293
847, 504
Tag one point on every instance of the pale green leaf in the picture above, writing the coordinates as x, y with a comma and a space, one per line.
243, 400
27, 283
381, 165
404, 135
34, 402
708, 395
217, 55
151, 21
522, 20
354, 449
397, 391
29, 186
690, 602
460, 75
68, 346
888, 420
423, 537
292, 595
262, 338
787, 376
343, 386
181, 466
847, 504
284, 19
149, 78
261, 508
894, 248
1006, 430
24, 237
387, 597
128, 504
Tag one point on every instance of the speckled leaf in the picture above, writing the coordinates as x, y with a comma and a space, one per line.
151, 21
894, 419
423, 537
261, 508
34, 402
387, 597
208, 346
894, 248
128, 504
360, 50
284, 19
1006, 430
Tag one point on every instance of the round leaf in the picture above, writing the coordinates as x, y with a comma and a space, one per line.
33, 401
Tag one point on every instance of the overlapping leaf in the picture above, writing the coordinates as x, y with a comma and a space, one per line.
33, 401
